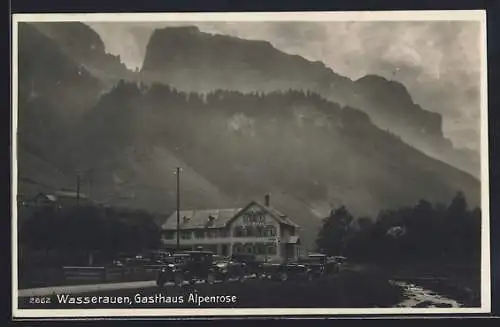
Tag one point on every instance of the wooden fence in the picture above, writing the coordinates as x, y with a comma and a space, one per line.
104, 274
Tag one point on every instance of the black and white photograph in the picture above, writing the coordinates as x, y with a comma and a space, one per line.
250, 164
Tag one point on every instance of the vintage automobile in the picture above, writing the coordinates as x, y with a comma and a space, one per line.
334, 264
197, 265
316, 263
173, 270
284, 271
156, 257
252, 265
226, 269
138, 260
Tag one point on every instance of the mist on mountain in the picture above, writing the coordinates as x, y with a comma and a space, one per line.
194, 61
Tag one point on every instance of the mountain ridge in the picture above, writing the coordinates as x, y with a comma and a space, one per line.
192, 60
82, 43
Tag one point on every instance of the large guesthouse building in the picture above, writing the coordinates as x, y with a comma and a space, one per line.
255, 229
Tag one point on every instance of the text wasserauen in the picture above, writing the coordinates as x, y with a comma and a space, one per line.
138, 298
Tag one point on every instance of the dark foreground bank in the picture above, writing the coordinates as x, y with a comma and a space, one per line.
349, 289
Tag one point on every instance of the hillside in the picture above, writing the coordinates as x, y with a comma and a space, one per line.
191, 60
234, 147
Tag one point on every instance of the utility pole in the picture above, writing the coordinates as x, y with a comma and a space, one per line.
178, 173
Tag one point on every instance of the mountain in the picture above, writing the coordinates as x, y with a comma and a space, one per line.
85, 46
63, 71
194, 61
53, 92
309, 153
50, 77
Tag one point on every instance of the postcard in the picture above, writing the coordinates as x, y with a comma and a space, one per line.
250, 164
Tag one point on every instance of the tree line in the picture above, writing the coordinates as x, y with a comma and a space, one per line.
424, 231
84, 231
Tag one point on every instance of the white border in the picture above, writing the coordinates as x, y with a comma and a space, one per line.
457, 15
452, 15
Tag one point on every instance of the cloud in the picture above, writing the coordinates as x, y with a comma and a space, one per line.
438, 61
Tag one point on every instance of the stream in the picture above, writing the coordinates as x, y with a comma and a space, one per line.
419, 297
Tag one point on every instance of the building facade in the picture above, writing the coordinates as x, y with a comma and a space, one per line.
255, 229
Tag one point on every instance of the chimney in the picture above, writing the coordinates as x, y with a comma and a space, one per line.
267, 200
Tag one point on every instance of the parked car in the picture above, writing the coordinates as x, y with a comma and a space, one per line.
117, 263
226, 269
157, 257
316, 263
137, 261
334, 264
196, 265
252, 265
284, 271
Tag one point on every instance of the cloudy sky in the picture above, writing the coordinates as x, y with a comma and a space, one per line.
439, 61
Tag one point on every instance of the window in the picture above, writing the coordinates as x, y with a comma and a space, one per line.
169, 235
238, 231
262, 219
270, 231
237, 248
185, 235
223, 233
260, 248
250, 231
248, 248
199, 234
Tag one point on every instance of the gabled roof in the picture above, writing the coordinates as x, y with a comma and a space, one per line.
70, 194
279, 216
196, 219
51, 197
62, 194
